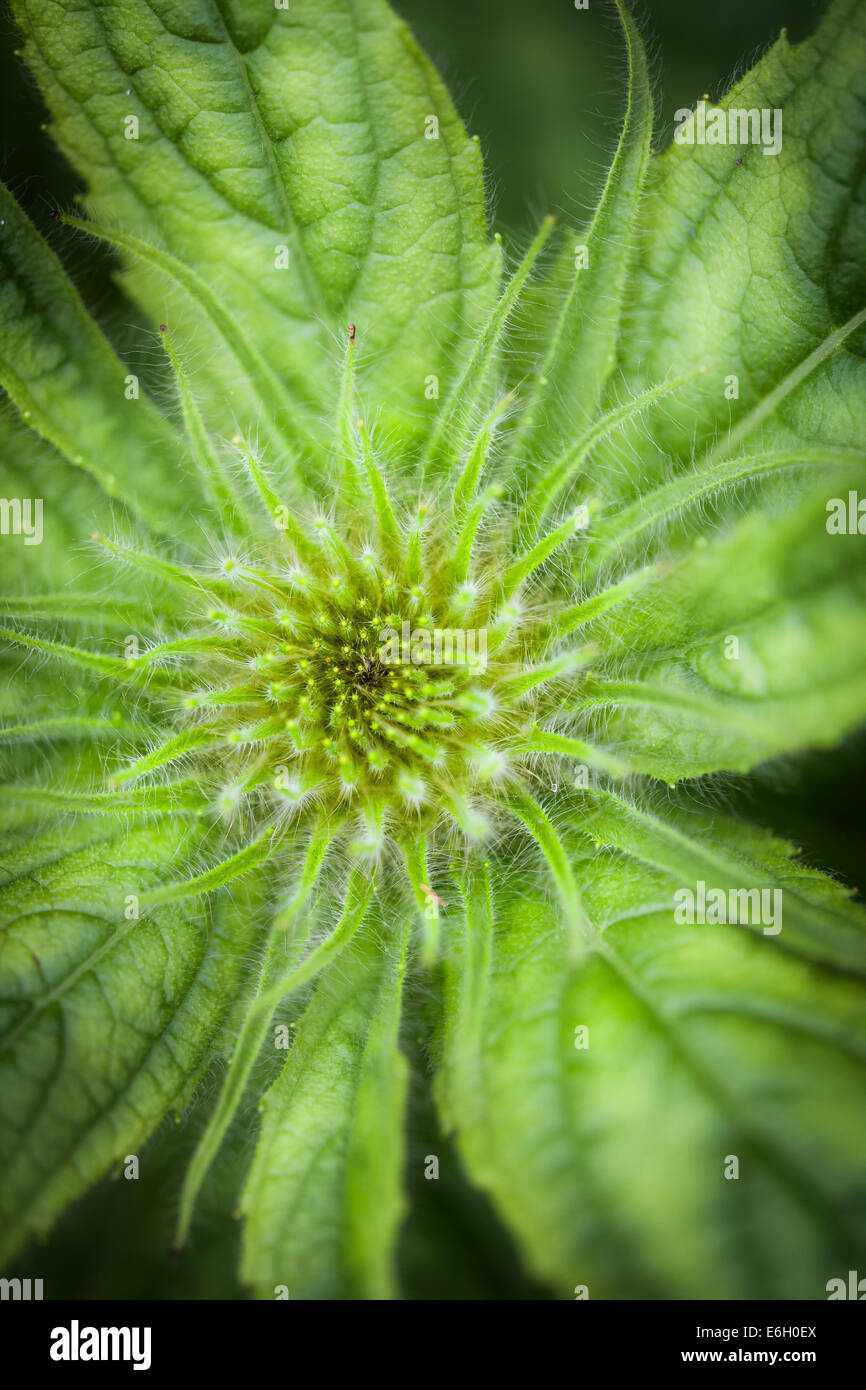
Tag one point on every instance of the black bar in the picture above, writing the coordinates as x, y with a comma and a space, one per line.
256, 1339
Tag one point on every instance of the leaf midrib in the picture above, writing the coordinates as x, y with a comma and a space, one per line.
311, 280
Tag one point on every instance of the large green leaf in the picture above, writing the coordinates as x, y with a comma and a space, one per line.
704, 1043
752, 263
106, 1021
303, 127
708, 673
73, 507
749, 644
70, 387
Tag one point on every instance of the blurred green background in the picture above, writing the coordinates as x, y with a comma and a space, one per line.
542, 84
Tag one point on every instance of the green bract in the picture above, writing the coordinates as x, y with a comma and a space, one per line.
355, 701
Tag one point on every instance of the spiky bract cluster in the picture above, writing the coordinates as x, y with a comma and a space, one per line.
370, 675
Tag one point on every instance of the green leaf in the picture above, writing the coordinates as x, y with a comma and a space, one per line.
261, 128
324, 1196
752, 263
73, 506
820, 922
710, 673
579, 308
106, 1022
68, 384
749, 646
704, 1043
